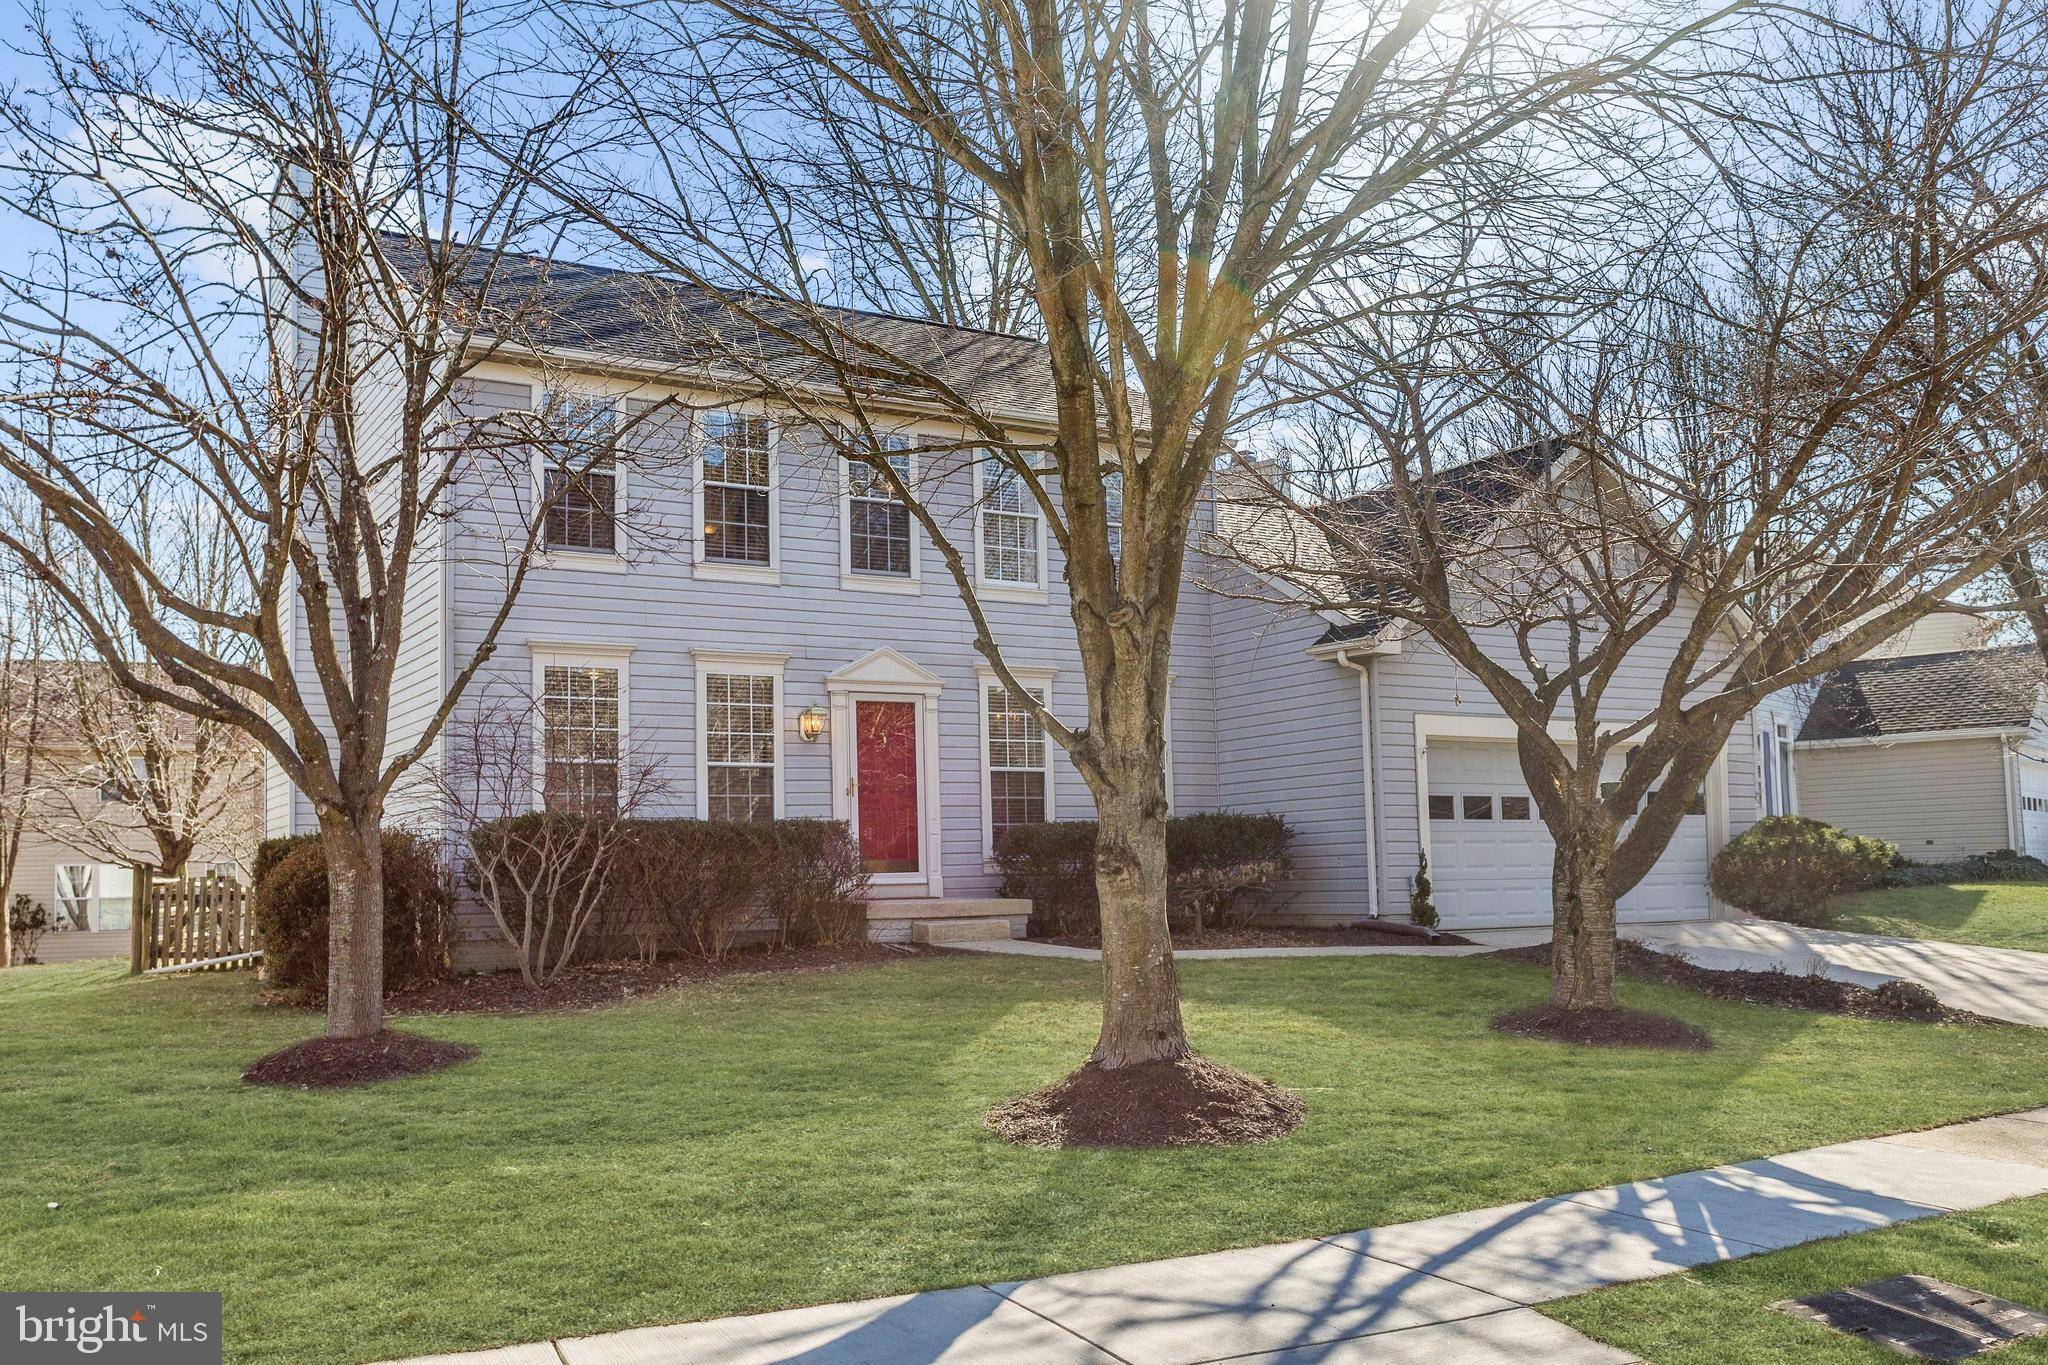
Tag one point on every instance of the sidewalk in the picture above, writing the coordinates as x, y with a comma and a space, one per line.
1455, 1288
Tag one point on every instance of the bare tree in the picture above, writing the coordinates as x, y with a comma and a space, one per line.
25, 696
1153, 193
1767, 452
536, 834
260, 249
129, 777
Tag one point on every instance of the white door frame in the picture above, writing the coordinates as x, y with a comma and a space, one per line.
885, 675
1501, 728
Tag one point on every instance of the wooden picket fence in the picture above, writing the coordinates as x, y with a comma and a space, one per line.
196, 920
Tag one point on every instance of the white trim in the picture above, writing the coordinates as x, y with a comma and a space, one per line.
910, 585
736, 571
1914, 737
1166, 746
2015, 792
984, 678
886, 675
1372, 871
566, 654
745, 664
997, 589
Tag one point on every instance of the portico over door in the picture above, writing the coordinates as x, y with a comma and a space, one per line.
885, 783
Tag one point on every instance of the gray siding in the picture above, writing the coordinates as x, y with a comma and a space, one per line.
1935, 799
1290, 736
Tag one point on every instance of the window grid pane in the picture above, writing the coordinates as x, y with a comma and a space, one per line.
1009, 529
580, 738
1016, 762
736, 481
878, 524
739, 746
580, 484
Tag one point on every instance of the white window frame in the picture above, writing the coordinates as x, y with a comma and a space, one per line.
567, 556
95, 895
985, 678
768, 665
730, 570
562, 654
1001, 590
911, 586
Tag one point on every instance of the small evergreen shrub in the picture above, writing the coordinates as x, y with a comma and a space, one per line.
291, 900
1421, 902
1790, 868
28, 919
1218, 867
1999, 865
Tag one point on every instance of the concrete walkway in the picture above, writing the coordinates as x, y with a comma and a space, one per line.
1456, 1288
2004, 983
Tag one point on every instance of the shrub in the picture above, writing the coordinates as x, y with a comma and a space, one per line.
697, 886
1790, 868
291, 916
543, 877
1421, 900
1999, 865
271, 852
28, 919
1217, 865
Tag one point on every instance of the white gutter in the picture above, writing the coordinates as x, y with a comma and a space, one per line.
1369, 769
1914, 737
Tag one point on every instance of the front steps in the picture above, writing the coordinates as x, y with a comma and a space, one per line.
947, 919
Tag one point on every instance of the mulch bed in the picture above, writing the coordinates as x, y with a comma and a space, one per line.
1186, 1102
1603, 1028
335, 1062
1898, 1000
1282, 936
595, 985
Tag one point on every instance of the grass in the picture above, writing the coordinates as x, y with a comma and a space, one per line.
768, 1141
1722, 1315
1993, 914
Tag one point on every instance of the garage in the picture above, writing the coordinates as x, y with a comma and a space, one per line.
1490, 855
2034, 803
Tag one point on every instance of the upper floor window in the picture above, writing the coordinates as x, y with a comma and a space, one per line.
738, 490
1113, 513
1011, 532
581, 713
580, 484
878, 528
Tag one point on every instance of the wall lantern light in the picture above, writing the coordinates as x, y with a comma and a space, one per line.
810, 724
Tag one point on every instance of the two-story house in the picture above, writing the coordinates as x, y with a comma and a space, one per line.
773, 632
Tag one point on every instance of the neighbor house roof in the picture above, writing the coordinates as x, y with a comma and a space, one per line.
657, 319
1467, 497
1968, 689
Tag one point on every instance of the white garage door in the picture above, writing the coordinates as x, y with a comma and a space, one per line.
2034, 805
1490, 856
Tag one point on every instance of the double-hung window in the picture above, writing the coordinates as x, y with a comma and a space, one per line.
1011, 533
739, 748
737, 488
94, 897
1113, 512
1017, 771
582, 715
879, 549
580, 481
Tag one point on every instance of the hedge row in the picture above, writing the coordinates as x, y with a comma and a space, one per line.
291, 899
1217, 866
1999, 865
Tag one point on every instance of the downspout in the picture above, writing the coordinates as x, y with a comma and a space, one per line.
1368, 723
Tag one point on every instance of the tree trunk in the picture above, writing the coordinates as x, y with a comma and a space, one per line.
1141, 1019
355, 926
1582, 919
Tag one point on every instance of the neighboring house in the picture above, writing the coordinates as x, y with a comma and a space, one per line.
771, 591
1945, 754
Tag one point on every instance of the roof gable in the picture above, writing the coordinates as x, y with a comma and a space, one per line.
1969, 689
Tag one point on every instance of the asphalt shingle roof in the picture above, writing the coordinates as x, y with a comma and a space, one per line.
545, 303
1962, 690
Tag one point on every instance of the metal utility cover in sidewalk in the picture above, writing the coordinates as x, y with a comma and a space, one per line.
1922, 1317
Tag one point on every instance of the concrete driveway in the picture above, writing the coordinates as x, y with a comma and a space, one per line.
2004, 983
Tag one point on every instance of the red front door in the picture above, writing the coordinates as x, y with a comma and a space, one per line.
885, 773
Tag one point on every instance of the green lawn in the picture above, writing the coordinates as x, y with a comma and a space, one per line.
771, 1141
1721, 1315
1994, 914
